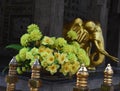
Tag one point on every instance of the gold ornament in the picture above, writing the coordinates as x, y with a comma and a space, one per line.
12, 78
82, 76
34, 82
91, 39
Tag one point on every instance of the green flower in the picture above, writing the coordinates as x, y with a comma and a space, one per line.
32, 27
67, 48
72, 57
74, 67
72, 34
83, 57
22, 53
29, 55
17, 58
59, 42
25, 40
44, 63
53, 38
44, 55
62, 58
76, 44
34, 51
32, 62
50, 59
19, 70
65, 68
52, 68
24, 69
35, 35
47, 41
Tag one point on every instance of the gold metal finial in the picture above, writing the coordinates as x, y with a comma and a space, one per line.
12, 67
107, 84
12, 78
108, 73
82, 76
13, 61
34, 82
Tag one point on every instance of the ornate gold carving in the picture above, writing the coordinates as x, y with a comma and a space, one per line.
91, 39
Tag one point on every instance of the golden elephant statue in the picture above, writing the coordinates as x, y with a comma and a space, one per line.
91, 39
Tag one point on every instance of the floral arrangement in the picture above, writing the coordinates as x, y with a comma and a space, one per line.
55, 54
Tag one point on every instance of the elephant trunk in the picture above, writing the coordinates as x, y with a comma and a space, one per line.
97, 59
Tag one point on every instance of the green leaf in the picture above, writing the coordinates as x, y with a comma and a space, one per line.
14, 46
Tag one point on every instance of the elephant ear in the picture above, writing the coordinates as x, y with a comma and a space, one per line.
14, 46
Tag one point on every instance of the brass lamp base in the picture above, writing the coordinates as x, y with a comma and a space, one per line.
105, 87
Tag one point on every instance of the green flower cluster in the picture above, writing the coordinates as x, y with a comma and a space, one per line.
72, 34
55, 54
33, 34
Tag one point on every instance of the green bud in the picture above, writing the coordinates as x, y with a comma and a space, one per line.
23, 69
19, 71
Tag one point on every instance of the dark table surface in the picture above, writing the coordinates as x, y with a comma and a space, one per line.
116, 88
